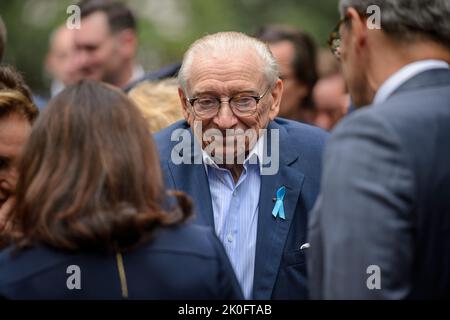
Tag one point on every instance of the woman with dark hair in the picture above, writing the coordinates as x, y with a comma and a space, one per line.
92, 220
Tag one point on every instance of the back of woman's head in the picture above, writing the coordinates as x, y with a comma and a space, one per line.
90, 176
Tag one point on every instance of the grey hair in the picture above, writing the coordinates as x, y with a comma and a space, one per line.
407, 20
2, 38
223, 43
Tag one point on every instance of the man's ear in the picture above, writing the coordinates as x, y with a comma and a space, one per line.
186, 110
276, 93
128, 43
358, 28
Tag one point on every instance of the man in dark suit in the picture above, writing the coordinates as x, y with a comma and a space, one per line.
381, 225
257, 199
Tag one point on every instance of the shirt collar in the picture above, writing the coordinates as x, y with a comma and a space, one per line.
257, 151
403, 75
138, 73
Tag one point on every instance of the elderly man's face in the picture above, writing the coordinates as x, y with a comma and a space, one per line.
14, 131
225, 77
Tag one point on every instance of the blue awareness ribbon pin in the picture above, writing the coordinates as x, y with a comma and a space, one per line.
278, 209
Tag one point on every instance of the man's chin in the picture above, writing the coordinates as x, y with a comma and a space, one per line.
229, 157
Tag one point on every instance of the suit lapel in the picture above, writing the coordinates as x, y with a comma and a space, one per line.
272, 232
192, 179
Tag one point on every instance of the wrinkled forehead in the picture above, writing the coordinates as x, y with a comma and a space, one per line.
233, 67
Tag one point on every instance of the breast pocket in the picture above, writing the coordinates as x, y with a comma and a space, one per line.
296, 257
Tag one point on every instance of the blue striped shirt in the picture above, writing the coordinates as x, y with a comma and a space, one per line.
235, 207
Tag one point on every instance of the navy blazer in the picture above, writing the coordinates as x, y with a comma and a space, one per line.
183, 262
280, 270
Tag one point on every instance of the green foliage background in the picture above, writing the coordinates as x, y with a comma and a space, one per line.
166, 27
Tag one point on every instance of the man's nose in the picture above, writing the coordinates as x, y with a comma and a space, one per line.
225, 118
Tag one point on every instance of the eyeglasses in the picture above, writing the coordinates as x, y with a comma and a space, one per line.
334, 41
242, 105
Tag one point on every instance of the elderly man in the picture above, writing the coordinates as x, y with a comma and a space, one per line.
252, 177
381, 226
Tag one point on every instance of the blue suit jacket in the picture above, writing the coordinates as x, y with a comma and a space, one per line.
280, 270
183, 262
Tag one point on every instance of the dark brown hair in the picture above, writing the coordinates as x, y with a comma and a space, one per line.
304, 63
90, 176
119, 15
15, 96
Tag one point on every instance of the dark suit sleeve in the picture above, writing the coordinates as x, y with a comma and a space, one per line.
229, 288
363, 215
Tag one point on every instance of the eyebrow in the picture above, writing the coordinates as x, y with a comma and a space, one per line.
233, 93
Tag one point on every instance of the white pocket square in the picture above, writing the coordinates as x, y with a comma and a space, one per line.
304, 246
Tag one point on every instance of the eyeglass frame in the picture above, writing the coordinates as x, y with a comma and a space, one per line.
257, 99
336, 36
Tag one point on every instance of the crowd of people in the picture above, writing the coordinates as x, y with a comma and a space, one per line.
259, 167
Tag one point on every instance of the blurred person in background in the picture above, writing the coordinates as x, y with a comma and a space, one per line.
90, 194
158, 102
331, 99
295, 53
60, 60
2, 39
107, 43
381, 226
17, 113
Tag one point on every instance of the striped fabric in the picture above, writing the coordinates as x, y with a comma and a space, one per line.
235, 209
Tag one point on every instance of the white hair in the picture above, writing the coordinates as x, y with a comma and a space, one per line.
224, 43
